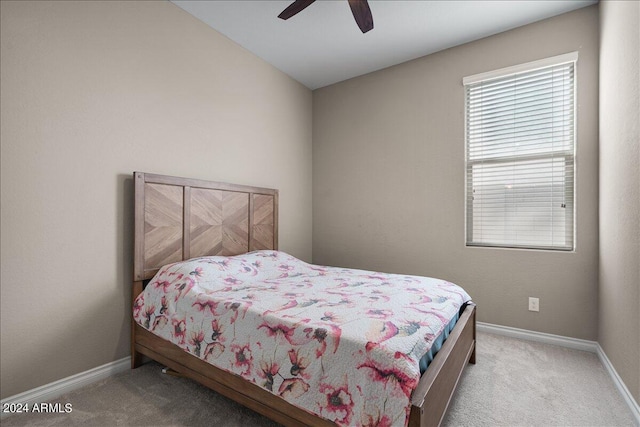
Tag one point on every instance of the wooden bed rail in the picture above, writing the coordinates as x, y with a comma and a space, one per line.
433, 394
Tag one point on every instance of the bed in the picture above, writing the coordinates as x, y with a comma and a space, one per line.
179, 219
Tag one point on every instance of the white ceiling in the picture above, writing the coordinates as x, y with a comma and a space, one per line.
323, 45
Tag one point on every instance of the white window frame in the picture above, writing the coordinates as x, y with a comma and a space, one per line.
503, 72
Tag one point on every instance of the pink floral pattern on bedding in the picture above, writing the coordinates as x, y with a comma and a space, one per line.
343, 344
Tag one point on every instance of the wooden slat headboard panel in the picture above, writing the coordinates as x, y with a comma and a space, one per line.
180, 218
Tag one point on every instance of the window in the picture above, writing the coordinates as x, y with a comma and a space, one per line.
520, 162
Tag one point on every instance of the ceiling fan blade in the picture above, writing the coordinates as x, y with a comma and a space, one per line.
295, 7
362, 14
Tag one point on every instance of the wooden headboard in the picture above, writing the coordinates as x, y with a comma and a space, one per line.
180, 218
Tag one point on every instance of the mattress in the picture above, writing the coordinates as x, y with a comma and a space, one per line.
346, 345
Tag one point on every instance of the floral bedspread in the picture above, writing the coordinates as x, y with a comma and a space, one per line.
343, 344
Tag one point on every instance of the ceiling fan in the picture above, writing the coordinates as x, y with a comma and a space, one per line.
359, 8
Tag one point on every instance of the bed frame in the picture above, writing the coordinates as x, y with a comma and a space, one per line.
179, 218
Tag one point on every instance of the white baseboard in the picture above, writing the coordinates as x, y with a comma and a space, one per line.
523, 334
573, 343
48, 392
620, 385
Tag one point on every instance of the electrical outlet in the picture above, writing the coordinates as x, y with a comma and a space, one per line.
534, 304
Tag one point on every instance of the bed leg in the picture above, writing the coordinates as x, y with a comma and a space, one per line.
472, 359
168, 371
136, 358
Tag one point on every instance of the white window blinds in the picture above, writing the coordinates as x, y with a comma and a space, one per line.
520, 156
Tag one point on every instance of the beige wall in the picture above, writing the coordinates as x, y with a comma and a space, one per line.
388, 179
619, 332
92, 91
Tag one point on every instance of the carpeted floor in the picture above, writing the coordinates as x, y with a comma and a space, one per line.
514, 383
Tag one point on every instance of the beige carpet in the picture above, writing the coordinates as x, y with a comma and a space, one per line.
514, 383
